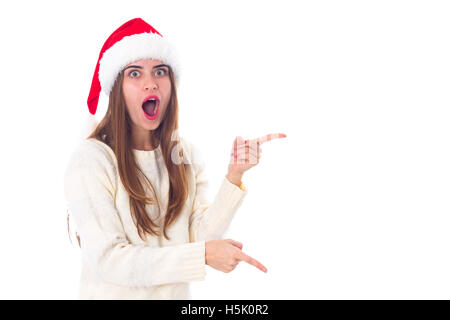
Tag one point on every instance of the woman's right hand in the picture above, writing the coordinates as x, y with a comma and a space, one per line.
224, 255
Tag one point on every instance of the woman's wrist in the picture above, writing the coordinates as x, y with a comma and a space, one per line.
235, 178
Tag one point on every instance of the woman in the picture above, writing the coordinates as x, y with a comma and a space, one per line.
137, 191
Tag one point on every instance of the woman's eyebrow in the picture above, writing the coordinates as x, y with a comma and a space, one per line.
160, 65
139, 67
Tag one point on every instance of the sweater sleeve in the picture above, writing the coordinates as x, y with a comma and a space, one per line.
209, 221
89, 186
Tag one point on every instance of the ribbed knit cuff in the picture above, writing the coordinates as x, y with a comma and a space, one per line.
193, 267
227, 201
231, 192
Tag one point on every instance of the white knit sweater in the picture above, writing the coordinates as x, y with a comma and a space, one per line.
116, 262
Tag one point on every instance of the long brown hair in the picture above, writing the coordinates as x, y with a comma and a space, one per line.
115, 131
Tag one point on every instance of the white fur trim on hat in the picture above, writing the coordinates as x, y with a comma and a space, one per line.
132, 48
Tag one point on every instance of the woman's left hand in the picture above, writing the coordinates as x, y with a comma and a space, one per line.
246, 153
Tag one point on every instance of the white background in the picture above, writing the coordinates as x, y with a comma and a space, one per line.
353, 204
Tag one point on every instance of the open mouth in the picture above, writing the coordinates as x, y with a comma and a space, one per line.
150, 107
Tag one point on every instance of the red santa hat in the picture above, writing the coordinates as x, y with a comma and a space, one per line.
134, 40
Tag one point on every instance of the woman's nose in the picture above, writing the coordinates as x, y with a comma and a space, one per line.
150, 84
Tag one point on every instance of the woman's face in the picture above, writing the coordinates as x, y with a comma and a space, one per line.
146, 86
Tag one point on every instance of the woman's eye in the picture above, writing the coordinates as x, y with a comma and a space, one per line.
134, 73
160, 72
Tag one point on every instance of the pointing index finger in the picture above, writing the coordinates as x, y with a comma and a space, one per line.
242, 256
269, 137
